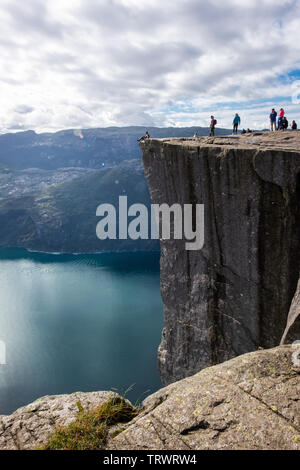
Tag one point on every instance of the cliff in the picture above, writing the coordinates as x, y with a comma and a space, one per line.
234, 295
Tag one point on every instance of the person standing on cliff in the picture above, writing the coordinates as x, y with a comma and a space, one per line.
213, 123
273, 117
280, 119
236, 123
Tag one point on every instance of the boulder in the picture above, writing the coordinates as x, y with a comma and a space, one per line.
31, 426
250, 402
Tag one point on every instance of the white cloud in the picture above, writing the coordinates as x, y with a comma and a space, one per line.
93, 63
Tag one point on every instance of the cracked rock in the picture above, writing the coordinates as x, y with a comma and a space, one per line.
250, 402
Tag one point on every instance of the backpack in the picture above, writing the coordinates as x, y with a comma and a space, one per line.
215, 122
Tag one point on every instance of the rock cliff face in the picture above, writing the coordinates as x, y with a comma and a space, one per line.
234, 295
294, 313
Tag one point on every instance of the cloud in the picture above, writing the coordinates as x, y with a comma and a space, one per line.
24, 109
94, 63
32, 18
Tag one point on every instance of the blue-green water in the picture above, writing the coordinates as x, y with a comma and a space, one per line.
78, 323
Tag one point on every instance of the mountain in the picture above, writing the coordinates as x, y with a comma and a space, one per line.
88, 148
52, 183
61, 217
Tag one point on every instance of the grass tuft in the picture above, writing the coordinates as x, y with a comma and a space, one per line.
90, 429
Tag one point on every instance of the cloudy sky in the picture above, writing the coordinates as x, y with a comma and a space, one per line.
99, 63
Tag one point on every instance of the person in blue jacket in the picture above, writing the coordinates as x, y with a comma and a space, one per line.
236, 123
273, 117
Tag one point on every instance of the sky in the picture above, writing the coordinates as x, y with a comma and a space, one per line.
100, 63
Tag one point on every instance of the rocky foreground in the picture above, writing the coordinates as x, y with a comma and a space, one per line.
32, 425
251, 402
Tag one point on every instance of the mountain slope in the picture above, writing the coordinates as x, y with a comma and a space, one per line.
91, 148
62, 218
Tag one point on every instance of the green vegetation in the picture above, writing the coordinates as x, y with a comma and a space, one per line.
89, 430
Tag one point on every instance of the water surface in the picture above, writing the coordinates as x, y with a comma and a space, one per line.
78, 323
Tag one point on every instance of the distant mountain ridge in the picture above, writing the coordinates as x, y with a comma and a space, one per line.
86, 148
51, 185
62, 217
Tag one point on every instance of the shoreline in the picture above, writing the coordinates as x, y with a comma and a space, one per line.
67, 253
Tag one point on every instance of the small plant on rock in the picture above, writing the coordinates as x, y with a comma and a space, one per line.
90, 429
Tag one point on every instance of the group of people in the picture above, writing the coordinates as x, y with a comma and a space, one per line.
213, 123
282, 123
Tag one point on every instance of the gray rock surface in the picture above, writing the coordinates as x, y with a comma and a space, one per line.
233, 296
294, 313
31, 426
250, 402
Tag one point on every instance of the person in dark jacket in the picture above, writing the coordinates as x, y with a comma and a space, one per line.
213, 123
144, 137
273, 117
284, 124
294, 126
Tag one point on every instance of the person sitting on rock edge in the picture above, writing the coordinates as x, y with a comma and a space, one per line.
284, 124
294, 126
144, 137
